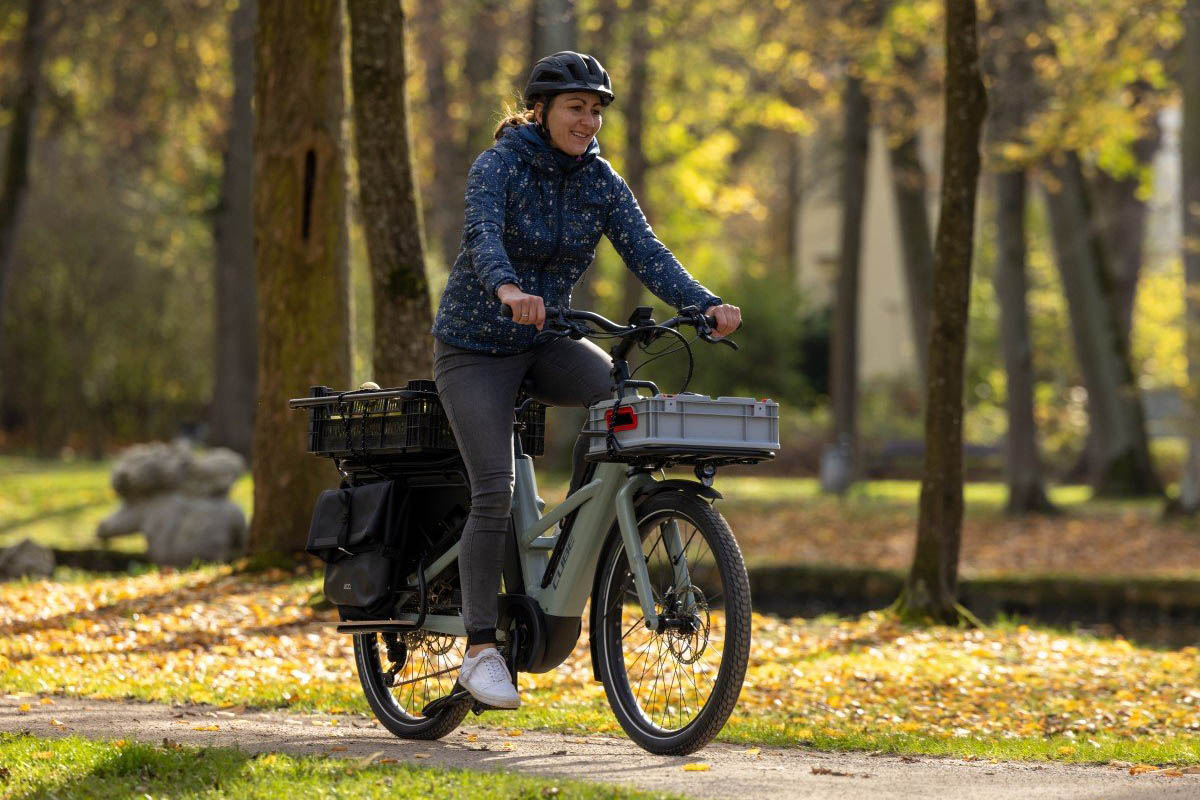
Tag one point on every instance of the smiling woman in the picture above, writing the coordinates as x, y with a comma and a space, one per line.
537, 203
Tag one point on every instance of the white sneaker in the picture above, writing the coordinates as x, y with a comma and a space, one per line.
486, 677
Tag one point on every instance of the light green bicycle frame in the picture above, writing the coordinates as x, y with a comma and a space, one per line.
608, 496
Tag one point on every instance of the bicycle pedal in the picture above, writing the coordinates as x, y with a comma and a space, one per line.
480, 707
436, 706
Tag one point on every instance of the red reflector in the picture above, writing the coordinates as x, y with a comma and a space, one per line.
626, 419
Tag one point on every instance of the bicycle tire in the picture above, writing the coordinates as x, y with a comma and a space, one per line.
389, 709
619, 652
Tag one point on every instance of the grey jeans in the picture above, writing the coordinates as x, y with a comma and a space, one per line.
479, 391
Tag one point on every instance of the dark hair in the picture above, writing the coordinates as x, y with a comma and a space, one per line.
515, 118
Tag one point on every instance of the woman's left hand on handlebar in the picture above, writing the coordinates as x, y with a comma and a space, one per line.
728, 317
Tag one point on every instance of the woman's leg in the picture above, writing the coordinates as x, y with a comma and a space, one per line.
478, 392
569, 372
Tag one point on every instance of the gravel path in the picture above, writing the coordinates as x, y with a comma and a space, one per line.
733, 772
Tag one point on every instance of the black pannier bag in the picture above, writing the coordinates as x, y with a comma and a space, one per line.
358, 531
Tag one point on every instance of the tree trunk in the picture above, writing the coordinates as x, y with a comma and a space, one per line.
1026, 485
445, 209
1122, 218
480, 73
390, 212
1189, 489
1123, 467
635, 153
20, 140
300, 249
553, 28
236, 355
909, 186
932, 584
1009, 62
838, 465
794, 207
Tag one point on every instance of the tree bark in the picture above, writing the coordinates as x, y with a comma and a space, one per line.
445, 209
1122, 218
20, 140
844, 345
1026, 484
300, 250
235, 361
554, 28
388, 194
480, 73
932, 583
1189, 490
909, 187
1122, 466
635, 153
1009, 62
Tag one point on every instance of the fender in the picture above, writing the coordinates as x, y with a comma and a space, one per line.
670, 485
679, 485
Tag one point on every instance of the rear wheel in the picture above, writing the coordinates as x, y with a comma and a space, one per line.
402, 673
673, 689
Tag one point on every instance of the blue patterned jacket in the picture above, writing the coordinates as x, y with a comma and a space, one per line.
534, 217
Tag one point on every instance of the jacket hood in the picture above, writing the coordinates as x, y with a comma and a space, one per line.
527, 143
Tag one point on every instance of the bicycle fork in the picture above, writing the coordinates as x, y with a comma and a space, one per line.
627, 522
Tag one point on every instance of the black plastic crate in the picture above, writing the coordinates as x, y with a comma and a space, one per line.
383, 423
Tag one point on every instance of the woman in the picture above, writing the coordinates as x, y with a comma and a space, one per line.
537, 203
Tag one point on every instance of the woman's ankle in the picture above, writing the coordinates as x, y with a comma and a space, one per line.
476, 649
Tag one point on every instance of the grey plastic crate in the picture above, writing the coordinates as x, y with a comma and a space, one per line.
688, 423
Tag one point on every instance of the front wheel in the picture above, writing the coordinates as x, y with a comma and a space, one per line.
673, 689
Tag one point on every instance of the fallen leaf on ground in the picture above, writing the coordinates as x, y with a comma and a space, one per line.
507, 746
1142, 769
827, 771
337, 749
420, 755
388, 761
472, 737
697, 767
513, 732
368, 760
206, 727
1173, 773
56, 723
24, 708
171, 744
753, 751
1191, 770
46, 701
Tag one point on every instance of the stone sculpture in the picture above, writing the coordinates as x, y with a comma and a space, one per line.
178, 499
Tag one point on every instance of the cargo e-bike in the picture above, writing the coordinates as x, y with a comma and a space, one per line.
670, 609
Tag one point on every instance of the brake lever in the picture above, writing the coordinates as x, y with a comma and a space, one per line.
708, 337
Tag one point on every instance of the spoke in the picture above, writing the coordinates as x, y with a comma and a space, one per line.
631, 629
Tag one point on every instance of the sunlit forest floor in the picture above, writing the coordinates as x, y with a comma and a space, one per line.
776, 520
253, 640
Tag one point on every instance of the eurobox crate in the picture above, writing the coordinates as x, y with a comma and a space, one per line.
686, 425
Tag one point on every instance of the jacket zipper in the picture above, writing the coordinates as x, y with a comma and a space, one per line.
562, 185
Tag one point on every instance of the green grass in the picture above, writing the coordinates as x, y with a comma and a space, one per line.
60, 503
73, 767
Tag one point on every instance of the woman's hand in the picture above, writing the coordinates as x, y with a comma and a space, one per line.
729, 319
528, 309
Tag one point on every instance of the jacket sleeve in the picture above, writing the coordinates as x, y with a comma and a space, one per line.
648, 258
483, 229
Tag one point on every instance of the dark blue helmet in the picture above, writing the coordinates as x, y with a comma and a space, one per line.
567, 71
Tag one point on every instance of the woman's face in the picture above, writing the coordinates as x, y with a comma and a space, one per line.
574, 119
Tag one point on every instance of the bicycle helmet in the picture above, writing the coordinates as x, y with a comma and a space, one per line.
567, 71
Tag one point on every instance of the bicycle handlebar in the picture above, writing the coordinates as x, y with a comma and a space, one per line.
693, 317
